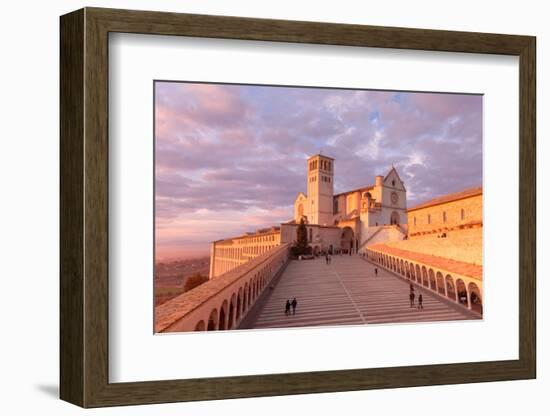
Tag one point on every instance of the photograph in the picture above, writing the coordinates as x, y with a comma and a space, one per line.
298, 206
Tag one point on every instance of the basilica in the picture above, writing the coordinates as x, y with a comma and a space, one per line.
357, 214
336, 223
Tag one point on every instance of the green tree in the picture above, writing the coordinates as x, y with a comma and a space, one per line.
301, 246
193, 281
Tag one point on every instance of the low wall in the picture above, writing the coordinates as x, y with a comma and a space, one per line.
223, 302
458, 281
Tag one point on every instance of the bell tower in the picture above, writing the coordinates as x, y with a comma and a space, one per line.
320, 189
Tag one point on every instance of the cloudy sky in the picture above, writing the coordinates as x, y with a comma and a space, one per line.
231, 158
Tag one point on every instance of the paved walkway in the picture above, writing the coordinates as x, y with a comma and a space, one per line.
346, 293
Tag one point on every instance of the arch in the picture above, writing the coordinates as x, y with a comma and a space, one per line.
245, 297
394, 218
418, 275
213, 321
222, 318
402, 268
433, 284
231, 313
407, 270
475, 297
346, 239
200, 326
411, 271
451, 293
440, 283
239, 304
461, 292
425, 277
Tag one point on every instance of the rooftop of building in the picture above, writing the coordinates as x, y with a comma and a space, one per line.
258, 233
443, 199
362, 189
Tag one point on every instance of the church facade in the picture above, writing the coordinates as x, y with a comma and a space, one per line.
357, 214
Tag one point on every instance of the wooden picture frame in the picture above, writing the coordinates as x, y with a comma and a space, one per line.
84, 207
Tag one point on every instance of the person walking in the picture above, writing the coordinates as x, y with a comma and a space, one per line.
287, 308
376, 271
411, 298
329, 258
420, 306
326, 258
294, 304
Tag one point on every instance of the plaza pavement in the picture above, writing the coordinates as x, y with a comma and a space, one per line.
346, 292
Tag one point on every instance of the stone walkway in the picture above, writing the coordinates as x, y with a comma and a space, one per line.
347, 293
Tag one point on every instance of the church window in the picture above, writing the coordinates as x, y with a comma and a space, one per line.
462, 214
429, 219
414, 221
336, 206
329, 166
393, 183
444, 216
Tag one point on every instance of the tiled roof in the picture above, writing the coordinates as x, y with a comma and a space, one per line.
466, 193
449, 265
364, 188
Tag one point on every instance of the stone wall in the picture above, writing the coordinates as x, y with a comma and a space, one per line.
462, 245
439, 218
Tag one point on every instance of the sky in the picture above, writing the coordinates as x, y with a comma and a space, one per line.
232, 158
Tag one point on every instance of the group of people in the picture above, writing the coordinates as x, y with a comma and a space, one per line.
290, 304
412, 296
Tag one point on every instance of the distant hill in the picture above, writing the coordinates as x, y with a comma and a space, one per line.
170, 276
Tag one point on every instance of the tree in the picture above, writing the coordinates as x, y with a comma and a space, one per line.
301, 246
193, 281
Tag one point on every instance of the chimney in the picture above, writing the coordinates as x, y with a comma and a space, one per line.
379, 180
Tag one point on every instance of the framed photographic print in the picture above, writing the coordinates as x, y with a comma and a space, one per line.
255, 207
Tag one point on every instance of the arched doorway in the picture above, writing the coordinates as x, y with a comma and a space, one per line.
213, 321
200, 326
394, 218
451, 294
222, 320
461, 292
231, 312
239, 303
347, 240
432, 280
425, 277
440, 283
475, 298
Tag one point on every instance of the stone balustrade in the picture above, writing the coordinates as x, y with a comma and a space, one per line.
455, 280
